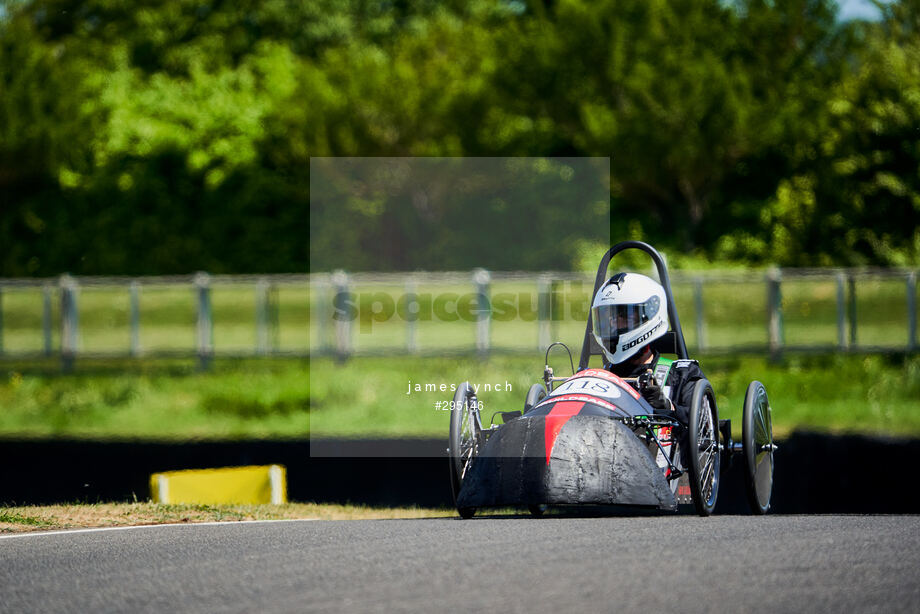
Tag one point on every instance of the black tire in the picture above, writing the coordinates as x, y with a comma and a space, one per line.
703, 454
536, 510
536, 394
465, 436
757, 447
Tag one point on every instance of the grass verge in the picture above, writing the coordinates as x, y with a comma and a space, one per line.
79, 515
377, 396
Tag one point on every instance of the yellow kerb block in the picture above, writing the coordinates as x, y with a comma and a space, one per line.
241, 485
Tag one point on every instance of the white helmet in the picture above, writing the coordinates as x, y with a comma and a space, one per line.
629, 312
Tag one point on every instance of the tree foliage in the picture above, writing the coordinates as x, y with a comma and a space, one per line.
159, 137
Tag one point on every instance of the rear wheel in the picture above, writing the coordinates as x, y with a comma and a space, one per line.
757, 447
465, 438
704, 459
536, 510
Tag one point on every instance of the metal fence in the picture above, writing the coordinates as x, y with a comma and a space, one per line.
204, 316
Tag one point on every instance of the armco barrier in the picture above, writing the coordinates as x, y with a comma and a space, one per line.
815, 473
208, 316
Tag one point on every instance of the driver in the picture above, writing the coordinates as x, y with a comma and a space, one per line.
629, 312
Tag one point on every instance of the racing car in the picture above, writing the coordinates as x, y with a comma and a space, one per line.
592, 439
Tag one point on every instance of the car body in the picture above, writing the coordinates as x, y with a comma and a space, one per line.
591, 439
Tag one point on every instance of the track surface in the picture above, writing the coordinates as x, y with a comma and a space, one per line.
638, 564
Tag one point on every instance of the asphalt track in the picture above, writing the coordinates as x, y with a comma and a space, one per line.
625, 564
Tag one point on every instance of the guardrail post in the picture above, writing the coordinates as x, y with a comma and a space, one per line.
70, 322
205, 325
134, 290
274, 318
841, 312
342, 315
317, 308
412, 311
46, 318
851, 308
775, 312
481, 279
698, 307
557, 306
543, 312
912, 311
262, 316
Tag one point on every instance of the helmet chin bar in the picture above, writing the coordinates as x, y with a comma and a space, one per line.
610, 348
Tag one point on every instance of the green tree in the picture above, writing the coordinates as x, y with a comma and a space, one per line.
45, 121
697, 104
854, 194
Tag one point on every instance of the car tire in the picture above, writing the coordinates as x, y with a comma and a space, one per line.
536, 394
463, 443
703, 453
757, 447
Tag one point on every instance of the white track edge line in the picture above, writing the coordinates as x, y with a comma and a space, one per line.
150, 526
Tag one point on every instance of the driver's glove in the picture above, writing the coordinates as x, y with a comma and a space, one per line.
652, 392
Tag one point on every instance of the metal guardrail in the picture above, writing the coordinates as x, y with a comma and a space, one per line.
332, 335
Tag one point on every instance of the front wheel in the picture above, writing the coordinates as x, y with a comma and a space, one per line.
536, 394
465, 438
704, 458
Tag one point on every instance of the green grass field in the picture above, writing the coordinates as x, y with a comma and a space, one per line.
287, 398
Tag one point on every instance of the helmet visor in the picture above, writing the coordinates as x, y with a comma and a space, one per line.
611, 321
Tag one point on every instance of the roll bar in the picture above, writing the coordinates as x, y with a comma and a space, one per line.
680, 346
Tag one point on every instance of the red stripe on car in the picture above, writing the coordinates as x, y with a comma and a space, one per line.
558, 416
585, 399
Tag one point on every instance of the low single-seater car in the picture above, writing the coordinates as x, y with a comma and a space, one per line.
592, 439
